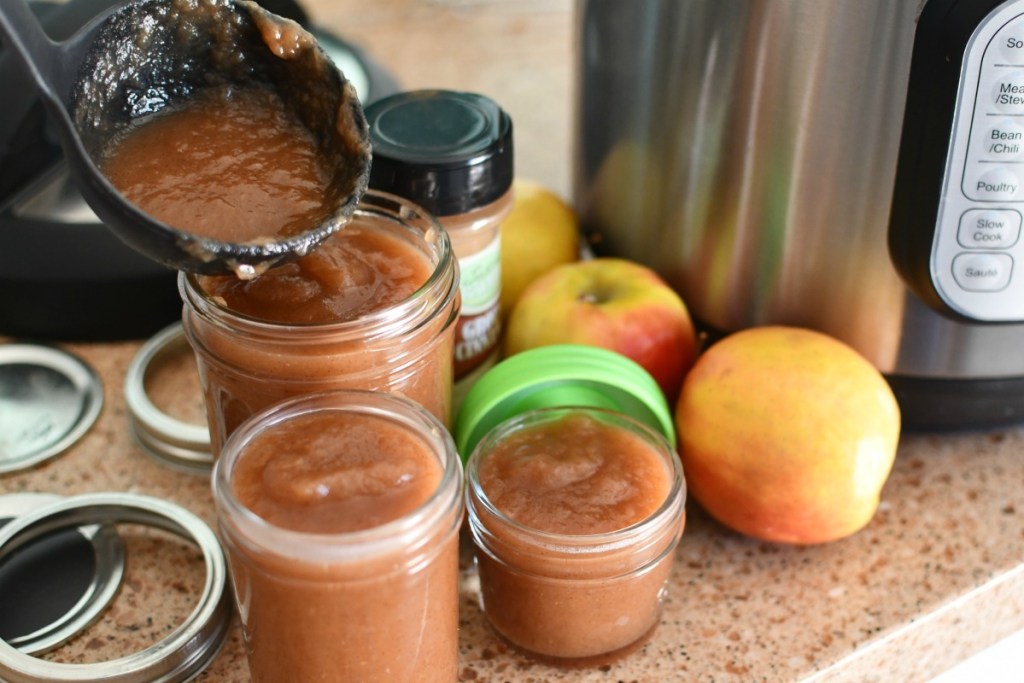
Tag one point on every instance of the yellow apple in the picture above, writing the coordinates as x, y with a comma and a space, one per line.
540, 232
612, 303
787, 435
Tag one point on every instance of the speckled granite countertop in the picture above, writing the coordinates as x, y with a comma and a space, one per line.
936, 576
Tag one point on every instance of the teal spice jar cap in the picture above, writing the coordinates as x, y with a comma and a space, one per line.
562, 375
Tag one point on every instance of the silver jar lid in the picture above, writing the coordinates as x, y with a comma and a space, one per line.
86, 562
49, 398
180, 655
180, 444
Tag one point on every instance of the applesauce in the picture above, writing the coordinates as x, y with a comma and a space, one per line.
199, 168
372, 308
575, 514
340, 514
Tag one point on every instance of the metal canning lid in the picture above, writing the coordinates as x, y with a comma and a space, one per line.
184, 651
49, 399
450, 152
180, 444
562, 375
54, 588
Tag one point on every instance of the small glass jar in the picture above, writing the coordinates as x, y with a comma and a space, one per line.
246, 363
452, 154
376, 603
566, 596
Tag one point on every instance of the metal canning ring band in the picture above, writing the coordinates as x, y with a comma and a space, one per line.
179, 656
180, 444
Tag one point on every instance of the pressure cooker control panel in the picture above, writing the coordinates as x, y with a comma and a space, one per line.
977, 258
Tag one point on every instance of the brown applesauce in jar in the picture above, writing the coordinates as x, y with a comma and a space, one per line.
353, 274
575, 514
372, 308
340, 514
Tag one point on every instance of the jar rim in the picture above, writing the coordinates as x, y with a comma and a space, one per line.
575, 544
415, 311
408, 532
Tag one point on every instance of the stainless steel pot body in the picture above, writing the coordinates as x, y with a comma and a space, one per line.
746, 150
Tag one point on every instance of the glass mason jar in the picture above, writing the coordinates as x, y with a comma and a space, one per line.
344, 572
247, 363
573, 596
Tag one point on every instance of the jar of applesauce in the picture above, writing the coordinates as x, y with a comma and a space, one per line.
575, 501
373, 307
339, 513
451, 153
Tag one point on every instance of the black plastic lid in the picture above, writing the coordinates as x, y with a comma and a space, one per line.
449, 152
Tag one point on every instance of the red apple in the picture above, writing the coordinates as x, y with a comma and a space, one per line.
787, 435
613, 303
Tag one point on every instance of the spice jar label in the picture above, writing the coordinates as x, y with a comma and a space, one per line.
477, 332
481, 278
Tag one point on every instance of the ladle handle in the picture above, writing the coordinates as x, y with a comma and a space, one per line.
54, 66
40, 55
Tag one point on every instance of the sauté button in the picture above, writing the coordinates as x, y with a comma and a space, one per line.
982, 272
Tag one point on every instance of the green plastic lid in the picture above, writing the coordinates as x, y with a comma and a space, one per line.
563, 375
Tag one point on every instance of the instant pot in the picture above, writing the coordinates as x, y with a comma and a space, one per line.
63, 275
852, 166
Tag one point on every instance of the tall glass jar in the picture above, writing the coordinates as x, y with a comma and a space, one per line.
247, 362
339, 513
452, 153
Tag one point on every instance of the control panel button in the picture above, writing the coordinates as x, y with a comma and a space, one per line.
1002, 141
982, 272
1008, 92
989, 229
995, 184
1010, 42
978, 231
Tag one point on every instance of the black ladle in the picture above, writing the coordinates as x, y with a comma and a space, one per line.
136, 59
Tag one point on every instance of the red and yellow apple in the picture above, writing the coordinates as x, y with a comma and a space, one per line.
787, 435
612, 303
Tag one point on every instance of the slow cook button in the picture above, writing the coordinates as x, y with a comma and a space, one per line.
989, 228
996, 184
982, 272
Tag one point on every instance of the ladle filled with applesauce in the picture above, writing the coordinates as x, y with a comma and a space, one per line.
210, 135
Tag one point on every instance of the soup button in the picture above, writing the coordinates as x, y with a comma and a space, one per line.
989, 229
982, 272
